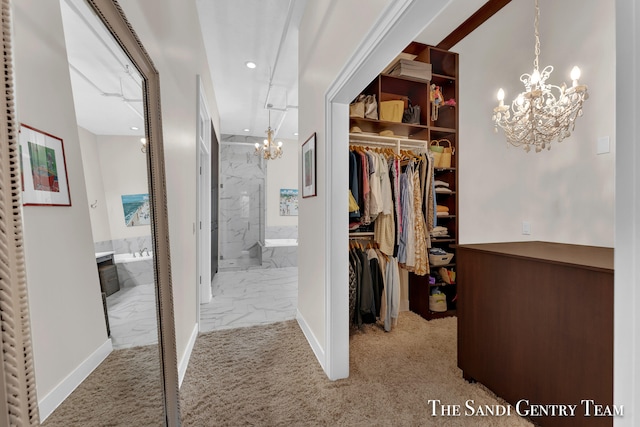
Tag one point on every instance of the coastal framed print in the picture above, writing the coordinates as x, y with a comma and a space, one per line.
309, 167
288, 202
43, 169
137, 210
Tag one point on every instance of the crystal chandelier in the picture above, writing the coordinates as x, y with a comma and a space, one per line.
543, 112
269, 149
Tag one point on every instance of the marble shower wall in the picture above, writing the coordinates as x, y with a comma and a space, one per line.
242, 204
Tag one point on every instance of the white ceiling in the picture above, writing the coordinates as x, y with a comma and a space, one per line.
107, 90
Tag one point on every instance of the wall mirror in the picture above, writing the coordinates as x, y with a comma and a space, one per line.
50, 243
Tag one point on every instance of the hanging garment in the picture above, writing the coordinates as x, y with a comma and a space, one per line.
353, 185
421, 265
375, 198
367, 301
392, 294
366, 196
353, 287
377, 280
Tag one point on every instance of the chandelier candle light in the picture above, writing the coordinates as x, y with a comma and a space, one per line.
543, 112
269, 149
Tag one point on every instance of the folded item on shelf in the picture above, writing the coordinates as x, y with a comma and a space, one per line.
416, 69
440, 183
447, 276
443, 190
439, 231
438, 257
440, 208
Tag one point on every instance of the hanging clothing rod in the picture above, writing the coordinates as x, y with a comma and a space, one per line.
397, 145
386, 141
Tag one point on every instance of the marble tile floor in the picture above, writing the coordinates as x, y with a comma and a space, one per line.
132, 316
252, 297
238, 264
240, 299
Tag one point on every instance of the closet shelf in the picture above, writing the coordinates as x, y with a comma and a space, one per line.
355, 138
360, 234
445, 169
441, 314
453, 264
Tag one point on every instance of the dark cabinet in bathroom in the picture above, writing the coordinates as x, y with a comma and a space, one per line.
108, 279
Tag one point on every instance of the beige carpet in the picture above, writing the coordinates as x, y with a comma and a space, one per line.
123, 391
268, 375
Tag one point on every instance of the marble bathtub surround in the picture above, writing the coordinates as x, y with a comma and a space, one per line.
125, 246
139, 272
279, 256
281, 232
131, 273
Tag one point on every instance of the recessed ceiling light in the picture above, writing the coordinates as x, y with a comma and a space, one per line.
247, 130
134, 128
250, 64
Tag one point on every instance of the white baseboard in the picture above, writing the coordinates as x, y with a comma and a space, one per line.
55, 397
313, 341
184, 361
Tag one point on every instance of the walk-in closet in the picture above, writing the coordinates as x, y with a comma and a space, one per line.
403, 191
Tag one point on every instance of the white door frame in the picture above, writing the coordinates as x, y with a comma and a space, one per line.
203, 195
398, 25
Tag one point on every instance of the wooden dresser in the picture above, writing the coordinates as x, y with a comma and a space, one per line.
535, 322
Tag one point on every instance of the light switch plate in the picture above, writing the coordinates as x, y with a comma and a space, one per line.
526, 227
603, 145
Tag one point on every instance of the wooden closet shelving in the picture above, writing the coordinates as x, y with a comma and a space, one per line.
444, 67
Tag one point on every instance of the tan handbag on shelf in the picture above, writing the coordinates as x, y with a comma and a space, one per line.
370, 107
392, 111
436, 152
356, 108
447, 151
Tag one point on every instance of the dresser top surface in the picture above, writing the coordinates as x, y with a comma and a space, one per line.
593, 257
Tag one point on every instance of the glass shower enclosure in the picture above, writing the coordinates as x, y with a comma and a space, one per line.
242, 206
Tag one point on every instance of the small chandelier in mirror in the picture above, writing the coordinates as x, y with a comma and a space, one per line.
269, 149
543, 112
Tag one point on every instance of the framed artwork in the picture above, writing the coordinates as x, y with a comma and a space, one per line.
288, 202
137, 210
309, 167
43, 169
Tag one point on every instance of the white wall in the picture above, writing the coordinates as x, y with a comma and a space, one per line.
113, 166
567, 193
67, 319
95, 188
330, 39
170, 32
282, 173
124, 171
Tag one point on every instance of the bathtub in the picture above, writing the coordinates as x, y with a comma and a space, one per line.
134, 269
279, 253
134, 257
271, 243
